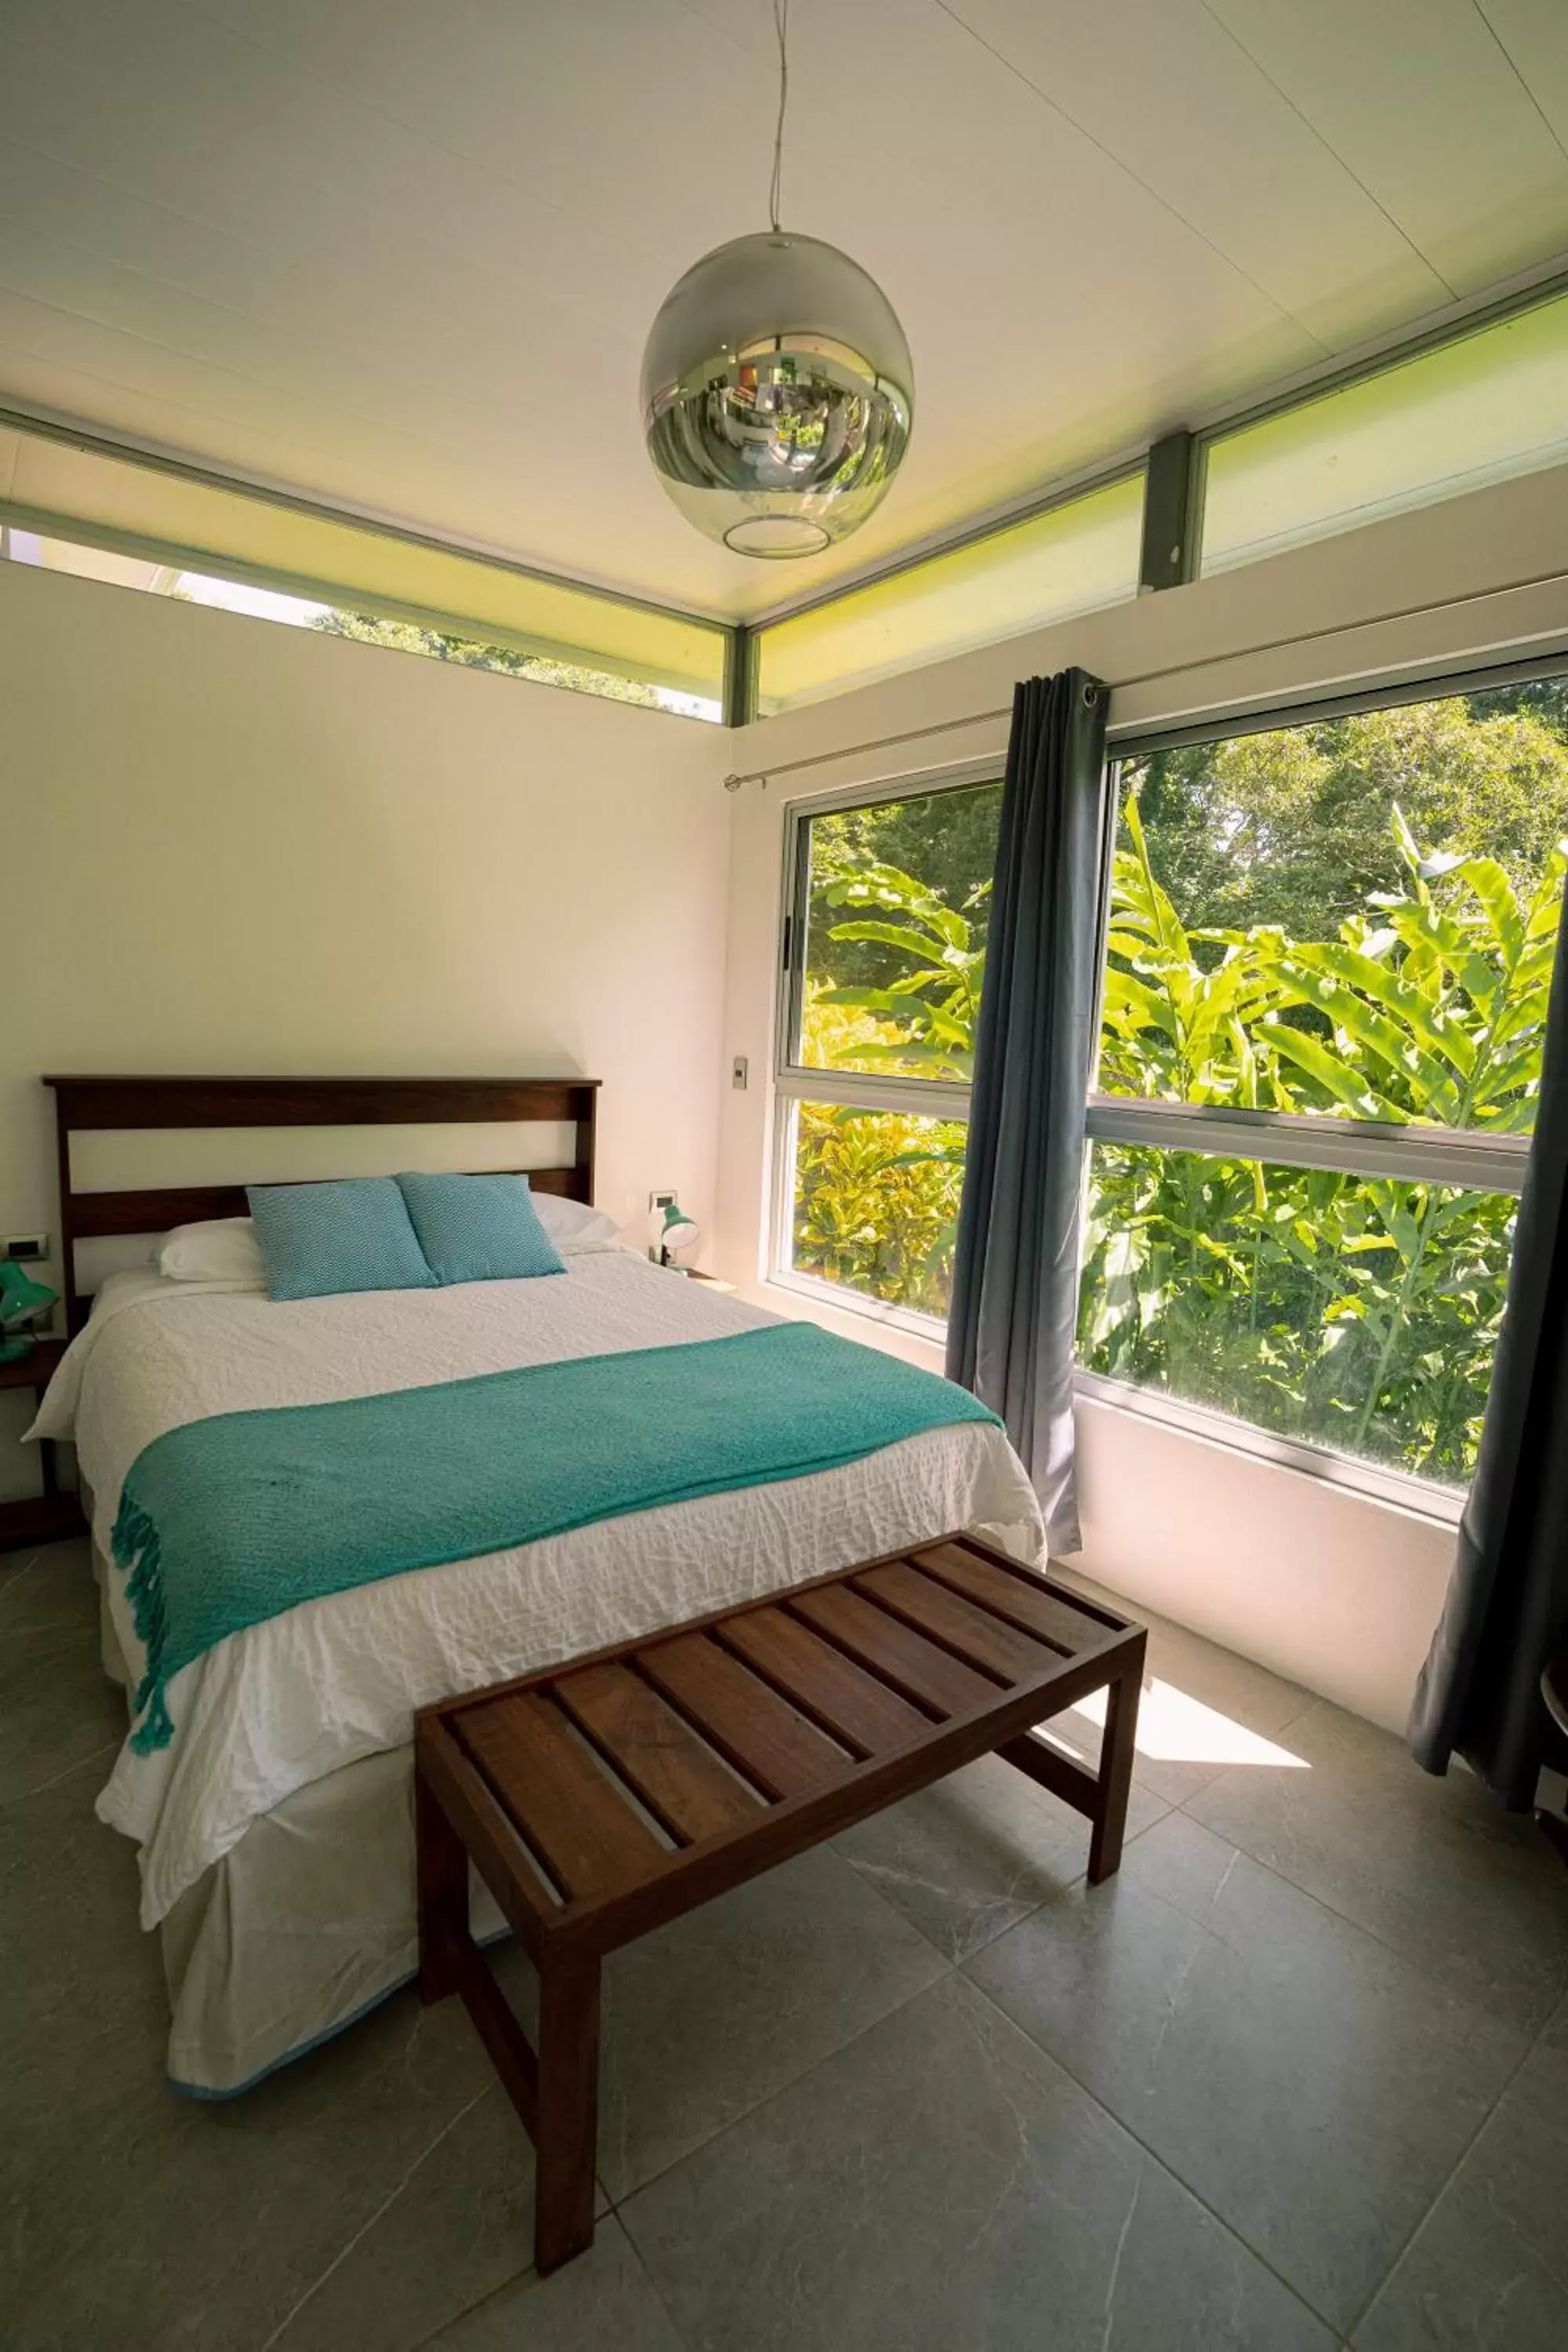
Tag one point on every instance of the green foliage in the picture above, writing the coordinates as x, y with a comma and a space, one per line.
1288, 826
468, 653
876, 1194
1430, 1006
876, 1199
934, 1005
900, 897
941, 843
1356, 1312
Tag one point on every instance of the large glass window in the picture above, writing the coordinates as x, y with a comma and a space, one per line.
1329, 955
1489, 403
1354, 1312
1328, 959
883, 966
1075, 556
873, 1206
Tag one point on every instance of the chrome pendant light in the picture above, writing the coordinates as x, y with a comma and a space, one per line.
777, 391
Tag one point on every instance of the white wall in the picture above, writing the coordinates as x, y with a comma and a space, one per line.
236, 846
1337, 1589
1326, 1586
242, 847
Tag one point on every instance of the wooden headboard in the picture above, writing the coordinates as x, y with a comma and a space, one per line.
84, 1103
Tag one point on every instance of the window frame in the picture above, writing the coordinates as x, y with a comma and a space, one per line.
65, 511
1127, 469
1385, 358
793, 1082
1470, 1160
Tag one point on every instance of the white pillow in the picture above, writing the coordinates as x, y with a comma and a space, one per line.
225, 1249
573, 1226
220, 1249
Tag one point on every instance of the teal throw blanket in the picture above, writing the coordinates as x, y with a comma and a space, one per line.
226, 1522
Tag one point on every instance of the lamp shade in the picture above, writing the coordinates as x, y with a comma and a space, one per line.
671, 1230
681, 1233
778, 394
24, 1304
22, 1300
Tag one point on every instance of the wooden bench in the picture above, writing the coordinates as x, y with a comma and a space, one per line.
601, 1798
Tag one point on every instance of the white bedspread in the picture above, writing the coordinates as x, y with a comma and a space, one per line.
281, 1705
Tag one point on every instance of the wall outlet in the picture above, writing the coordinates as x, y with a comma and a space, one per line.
739, 1073
655, 1201
24, 1249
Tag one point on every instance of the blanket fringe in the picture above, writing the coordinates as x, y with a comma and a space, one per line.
134, 1543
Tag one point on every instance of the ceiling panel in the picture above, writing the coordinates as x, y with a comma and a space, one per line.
1533, 35
1270, 194
1421, 102
405, 258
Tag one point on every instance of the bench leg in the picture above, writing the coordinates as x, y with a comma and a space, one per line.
567, 2135
443, 1892
1115, 1778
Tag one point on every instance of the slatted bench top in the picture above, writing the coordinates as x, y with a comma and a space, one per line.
600, 1799
618, 1791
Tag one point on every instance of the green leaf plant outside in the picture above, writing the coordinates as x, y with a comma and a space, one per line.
1350, 1311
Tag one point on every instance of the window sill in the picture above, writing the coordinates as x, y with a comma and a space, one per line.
853, 1302
1421, 1497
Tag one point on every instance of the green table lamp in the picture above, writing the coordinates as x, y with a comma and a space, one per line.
24, 1304
670, 1230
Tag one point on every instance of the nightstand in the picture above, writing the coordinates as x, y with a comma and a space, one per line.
38, 1518
714, 1281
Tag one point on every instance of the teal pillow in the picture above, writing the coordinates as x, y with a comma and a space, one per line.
479, 1228
319, 1240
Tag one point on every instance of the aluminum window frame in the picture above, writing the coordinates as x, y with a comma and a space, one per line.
1060, 498
1415, 683
1425, 1499
1468, 1159
84, 530
795, 1082
1375, 357
1382, 357
353, 603
1062, 490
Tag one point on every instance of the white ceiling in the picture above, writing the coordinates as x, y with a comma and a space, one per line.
403, 257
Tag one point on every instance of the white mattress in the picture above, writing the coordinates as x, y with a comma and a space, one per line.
281, 1705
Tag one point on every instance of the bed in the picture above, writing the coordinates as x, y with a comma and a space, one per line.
274, 1830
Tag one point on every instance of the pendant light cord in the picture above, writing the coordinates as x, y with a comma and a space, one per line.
781, 26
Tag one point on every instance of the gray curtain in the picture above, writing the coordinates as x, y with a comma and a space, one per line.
1507, 1611
1014, 1287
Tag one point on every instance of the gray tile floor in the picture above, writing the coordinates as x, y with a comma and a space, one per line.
1298, 2079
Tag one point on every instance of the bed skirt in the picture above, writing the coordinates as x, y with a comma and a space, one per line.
304, 1926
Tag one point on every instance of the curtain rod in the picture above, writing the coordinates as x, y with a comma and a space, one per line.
732, 784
